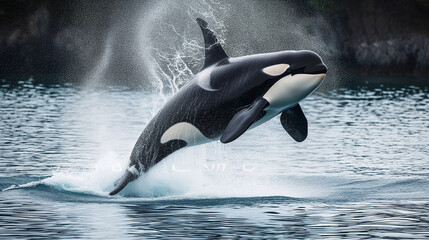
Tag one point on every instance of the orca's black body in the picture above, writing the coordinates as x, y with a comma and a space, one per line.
228, 96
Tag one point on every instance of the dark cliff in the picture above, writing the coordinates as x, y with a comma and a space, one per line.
386, 37
52, 37
49, 37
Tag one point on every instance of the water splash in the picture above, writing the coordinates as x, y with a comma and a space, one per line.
96, 76
184, 175
171, 52
95, 182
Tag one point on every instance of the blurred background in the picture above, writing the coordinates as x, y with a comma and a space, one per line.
114, 41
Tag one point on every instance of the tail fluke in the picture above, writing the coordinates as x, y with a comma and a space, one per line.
130, 175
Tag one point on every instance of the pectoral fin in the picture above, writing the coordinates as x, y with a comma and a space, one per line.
243, 119
295, 123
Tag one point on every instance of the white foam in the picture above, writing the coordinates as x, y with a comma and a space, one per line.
97, 182
199, 172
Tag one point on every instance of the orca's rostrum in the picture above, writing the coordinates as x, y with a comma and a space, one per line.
227, 97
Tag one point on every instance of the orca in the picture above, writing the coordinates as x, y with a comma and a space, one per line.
227, 97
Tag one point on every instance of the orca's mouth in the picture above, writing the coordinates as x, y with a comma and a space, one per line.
314, 69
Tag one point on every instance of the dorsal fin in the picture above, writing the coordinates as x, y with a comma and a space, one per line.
214, 51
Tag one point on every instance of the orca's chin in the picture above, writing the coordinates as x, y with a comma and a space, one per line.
312, 82
292, 89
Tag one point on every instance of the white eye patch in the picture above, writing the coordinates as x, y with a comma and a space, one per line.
276, 70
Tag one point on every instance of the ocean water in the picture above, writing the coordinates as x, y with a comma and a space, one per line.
363, 171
